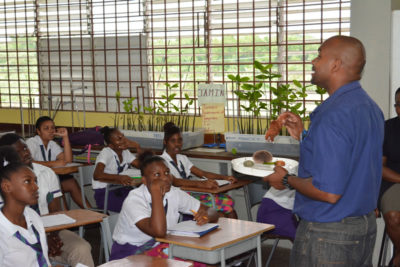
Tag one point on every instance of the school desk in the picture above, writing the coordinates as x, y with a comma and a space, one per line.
223, 189
146, 261
232, 238
67, 169
84, 217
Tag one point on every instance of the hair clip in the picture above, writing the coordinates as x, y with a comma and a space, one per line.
5, 162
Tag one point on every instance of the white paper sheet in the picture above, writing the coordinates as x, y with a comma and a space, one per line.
57, 219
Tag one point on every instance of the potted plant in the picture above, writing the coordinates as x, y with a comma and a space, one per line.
145, 124
251, 130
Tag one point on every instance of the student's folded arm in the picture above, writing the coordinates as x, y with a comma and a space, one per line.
100, 175
305, 187
51, 164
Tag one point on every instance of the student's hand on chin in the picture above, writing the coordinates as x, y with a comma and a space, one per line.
61, 132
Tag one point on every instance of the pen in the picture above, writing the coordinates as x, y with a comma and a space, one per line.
194, 213
136, 177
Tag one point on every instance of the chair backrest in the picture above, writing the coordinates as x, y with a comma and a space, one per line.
109, 229
85, 178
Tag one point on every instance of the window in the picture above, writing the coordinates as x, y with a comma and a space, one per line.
77, 54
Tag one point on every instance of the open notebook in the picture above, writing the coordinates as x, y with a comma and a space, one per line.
191, 228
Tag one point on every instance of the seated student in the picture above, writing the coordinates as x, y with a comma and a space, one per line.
64, 246
48, 153
181, 168
150, 209
390, 188
22, 235
277, 208
110, 163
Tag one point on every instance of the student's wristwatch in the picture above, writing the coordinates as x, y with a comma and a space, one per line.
285, 181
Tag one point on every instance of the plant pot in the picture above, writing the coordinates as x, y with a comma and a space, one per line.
154, 140
250, 143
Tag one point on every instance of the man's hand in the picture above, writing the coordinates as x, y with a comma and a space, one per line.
54, 243
293, 124
275, 179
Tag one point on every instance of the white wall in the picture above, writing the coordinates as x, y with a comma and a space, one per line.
371, 23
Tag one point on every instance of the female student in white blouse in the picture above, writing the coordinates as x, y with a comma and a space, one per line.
151, 208
22, 235
112, 161
181, 168
47, 152
65, 246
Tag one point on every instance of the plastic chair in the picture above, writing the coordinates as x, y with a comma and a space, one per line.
109, 225
85, 179
384, 249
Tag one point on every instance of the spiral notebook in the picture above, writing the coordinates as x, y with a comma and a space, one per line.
191, 228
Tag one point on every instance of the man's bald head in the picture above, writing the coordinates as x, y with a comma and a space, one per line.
351, 52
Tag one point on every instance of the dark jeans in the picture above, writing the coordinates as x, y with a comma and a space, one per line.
349, 242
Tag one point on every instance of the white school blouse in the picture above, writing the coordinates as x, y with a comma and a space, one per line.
110, 160
183, 164
137, 207
13, 252
49, 187
53, 149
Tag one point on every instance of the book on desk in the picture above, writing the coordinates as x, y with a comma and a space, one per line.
218, 181
192, 229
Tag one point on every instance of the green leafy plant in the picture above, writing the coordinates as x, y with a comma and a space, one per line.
285, 97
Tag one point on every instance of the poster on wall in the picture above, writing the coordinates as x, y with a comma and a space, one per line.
211, 97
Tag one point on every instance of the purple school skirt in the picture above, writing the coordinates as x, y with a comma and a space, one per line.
283, 219
115, 198
121, 251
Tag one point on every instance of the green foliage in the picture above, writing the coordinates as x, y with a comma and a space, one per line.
285, 97
160, 112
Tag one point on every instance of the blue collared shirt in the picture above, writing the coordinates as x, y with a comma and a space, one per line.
342, 152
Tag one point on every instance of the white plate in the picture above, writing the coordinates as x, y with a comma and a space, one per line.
261, 170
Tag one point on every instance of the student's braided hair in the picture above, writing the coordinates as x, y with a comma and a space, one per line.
146, 158
107, 132
10, 162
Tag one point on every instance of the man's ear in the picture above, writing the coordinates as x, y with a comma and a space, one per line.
336, 65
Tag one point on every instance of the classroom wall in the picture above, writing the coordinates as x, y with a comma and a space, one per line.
371, 23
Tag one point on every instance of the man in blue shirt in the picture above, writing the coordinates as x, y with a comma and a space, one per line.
340, 165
